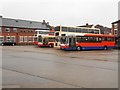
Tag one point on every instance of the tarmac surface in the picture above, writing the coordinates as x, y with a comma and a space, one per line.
33, 67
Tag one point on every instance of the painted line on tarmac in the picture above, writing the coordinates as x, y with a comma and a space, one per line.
34, 59
25, 73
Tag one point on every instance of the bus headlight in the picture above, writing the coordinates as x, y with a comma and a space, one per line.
62, 44
67, 44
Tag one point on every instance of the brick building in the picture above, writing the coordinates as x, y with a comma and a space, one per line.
20, 31
116, 28
116, 31
103, 29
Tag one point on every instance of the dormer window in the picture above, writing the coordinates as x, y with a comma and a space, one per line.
15, 29
7, 29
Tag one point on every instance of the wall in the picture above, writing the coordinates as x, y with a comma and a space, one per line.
18, 34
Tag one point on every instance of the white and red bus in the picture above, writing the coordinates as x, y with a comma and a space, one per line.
46, 41
65, 30
37, 33
86, 41
44, 38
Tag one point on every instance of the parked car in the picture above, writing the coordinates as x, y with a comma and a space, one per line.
9, 43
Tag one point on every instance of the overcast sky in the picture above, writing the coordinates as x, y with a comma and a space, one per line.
62, 12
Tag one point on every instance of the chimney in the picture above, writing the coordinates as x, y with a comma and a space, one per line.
47, 23
44, 22
87, 24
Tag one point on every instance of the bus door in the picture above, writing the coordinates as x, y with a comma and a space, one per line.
72, 42
57, 42
45, 41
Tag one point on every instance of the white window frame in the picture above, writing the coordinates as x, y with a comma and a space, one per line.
0, 29
14, 38
24, 30
116, 31
21, 30
33, 38
14, 29
7, 29
30, 38
25, 38
2, 40
21, 38
116, 26
29, 30
7, 38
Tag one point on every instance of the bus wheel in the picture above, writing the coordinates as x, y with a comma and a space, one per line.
50, 46
105, 47
2, 44
13, 44
79, 48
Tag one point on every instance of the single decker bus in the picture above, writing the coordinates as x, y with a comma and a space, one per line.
84, 41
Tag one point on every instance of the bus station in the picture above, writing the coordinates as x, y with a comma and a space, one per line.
63, 57
77, 48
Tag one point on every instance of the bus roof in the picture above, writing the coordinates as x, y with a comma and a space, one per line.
102, 35
79, 27
85, 34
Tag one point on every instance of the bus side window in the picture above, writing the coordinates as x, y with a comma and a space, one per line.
57, 34
110, 39
104, 39
99, 39
78, 39
96, 39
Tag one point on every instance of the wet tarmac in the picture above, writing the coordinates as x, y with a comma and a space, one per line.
32, 67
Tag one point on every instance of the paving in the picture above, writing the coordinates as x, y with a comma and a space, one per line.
33, 67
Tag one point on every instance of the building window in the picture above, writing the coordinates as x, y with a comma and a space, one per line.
29, 31
20, 30
13, 39
7, 29
0, 29
30, 39
24, 30
25, 38
7, 38
15, 29
115, 26
34, 39
1, 38
21, 38
115, 31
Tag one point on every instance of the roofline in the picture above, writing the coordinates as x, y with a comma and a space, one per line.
116, 22
25, 28
77, 27
22, 20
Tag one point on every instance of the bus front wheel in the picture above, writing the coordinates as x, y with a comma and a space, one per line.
50, 46
13, 44
105, 47
79, 48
